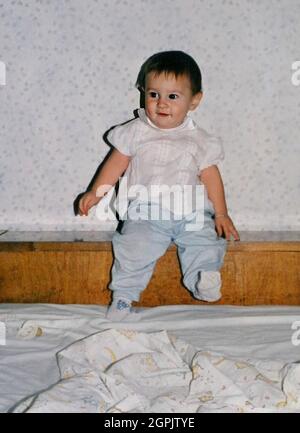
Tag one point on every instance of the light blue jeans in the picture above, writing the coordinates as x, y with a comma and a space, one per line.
141, 243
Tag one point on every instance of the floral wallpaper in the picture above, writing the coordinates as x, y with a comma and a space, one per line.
67, 74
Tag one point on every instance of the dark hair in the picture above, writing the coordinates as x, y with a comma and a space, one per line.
171, 62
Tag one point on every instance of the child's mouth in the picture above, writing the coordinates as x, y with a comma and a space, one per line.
163, 114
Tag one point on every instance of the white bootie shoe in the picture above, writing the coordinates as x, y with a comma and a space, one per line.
119, 310
208, 286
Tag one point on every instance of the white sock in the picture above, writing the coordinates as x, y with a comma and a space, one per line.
119, 309
208, 286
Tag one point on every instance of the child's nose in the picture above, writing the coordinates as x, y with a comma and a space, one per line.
162, 102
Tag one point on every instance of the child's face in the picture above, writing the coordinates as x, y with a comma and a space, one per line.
168, 99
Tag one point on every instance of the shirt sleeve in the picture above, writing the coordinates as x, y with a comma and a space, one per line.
212, 152
122, 138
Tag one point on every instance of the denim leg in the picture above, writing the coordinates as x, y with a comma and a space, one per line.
200, 250
136, 251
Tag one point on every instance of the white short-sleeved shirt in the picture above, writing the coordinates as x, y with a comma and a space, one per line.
170, 157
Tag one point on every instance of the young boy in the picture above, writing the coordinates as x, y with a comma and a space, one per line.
163, 146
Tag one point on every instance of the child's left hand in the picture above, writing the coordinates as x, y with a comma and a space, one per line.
224, 225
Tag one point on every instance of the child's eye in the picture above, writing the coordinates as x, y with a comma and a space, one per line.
153, 94
173, 96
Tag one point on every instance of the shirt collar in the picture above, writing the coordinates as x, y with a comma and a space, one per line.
188, 123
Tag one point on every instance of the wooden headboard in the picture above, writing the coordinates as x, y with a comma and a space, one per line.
74, 268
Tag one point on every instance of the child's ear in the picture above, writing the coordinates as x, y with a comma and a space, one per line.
196, 101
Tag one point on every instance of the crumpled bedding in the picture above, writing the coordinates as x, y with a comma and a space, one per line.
125, 370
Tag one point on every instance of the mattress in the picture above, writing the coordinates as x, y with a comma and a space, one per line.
180, 358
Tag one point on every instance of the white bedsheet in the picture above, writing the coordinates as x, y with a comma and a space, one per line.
169, 359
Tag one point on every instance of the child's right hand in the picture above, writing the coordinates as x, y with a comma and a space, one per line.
88, 200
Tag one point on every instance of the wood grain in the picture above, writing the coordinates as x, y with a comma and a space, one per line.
254, 273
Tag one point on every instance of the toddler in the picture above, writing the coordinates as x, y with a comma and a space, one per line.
164, 146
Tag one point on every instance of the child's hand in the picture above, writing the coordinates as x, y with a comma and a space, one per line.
225, 225
88, 200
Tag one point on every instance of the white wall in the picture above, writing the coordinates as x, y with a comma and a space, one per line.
70, 73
